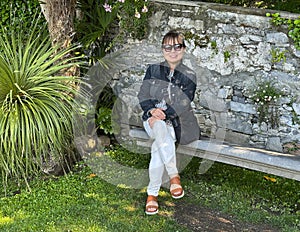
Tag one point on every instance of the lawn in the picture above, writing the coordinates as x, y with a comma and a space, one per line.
79, 201
82, 201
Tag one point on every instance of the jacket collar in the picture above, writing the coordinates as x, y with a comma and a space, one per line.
166, 68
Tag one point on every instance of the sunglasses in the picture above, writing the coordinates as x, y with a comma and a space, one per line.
168, 48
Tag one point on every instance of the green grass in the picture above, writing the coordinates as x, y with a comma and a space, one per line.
248, 195
81, 201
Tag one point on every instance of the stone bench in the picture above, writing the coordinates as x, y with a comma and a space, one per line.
280, 164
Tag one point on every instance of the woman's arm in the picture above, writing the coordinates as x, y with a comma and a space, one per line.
145, 101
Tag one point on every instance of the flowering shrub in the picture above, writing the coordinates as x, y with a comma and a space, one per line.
103, 22
134, 18
265, 97
129, 13
136, 5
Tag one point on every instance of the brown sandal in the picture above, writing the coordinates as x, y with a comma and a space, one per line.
151, 205
176, 188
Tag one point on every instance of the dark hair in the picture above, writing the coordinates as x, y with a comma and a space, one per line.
173, 35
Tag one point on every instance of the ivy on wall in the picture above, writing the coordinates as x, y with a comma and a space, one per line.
280, 5
293, 27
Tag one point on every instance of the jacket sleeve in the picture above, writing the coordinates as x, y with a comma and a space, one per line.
144, 97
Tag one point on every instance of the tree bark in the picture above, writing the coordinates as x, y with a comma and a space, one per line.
60, 17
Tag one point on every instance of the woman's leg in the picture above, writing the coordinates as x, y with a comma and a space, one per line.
162, 154
165, 142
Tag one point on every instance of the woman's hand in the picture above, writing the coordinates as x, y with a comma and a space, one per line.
157, 114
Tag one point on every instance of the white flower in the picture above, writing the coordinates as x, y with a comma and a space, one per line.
121, 1
145, 9
137, 14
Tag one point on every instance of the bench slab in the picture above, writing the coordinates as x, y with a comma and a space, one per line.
280, 164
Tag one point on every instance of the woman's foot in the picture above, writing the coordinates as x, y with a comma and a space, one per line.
176, 188
151, 205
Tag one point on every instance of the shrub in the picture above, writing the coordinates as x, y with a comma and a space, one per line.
19, 13
102, 23
36, 102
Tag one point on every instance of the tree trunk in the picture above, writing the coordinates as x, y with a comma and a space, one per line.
60, 17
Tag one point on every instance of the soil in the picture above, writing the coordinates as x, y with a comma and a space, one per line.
198, 218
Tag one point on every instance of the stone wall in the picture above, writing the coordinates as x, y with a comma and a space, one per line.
232, 50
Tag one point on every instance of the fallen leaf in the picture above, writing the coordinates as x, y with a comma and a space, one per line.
92, 175
270, 178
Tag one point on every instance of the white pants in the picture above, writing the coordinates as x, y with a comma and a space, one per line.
162, 154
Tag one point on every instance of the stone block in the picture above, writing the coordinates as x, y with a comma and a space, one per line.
212, 102
239, 125
274, 144
240, 107
237, 138
277, 38
296, 108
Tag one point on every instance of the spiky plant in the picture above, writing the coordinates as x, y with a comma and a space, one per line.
36, 102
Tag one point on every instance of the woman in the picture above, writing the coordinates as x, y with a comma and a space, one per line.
165, 98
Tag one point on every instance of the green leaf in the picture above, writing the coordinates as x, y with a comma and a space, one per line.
297, 21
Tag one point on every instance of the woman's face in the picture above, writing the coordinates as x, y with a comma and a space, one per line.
173, 51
